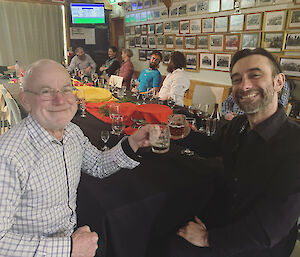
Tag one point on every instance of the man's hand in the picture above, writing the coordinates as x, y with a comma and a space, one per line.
87, 70
84, 242
195, 233
230, 116
102, 68
140, 138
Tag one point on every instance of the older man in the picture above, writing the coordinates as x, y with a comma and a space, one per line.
40, 163
254, 212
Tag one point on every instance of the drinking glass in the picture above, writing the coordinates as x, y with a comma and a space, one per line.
144, 97
192, 123
81, 75
114, 109
117, 125
176, 123
159, 136
204, 115
171, 102
95, 78
86, 80
80, 94
104, 137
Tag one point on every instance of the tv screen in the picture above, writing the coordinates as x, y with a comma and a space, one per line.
87, 13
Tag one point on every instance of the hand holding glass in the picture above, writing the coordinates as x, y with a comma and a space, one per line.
159, 138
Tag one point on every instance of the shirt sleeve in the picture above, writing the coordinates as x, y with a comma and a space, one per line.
92, 63
156, 79
126, 71
179, 85
227, 105
72, 65
113, 68
21, 244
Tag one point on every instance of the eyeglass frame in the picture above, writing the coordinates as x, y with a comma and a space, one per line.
53, 92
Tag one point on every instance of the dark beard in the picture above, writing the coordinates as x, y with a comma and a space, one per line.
153, 66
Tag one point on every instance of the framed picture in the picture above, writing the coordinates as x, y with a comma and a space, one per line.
164, 13
227, 5
132, 17
184, 27
159, 28
144, 16
149, 15
236, 22
190, 42
138, 17
296, 1
174, 11
137, 30
134, 6
179, 42
146, 4
140, 5
169, 39
192, 9
273, 41
202, 6
132, 30
283, 1
222, 62
202, 42
293, 19
292, 41
144, 29
182, 10
152, 42
175, 26
206, 61
156, 14
253, 21
214, 6
127, 30
137, 41
221, 24
149, 53
191, 61
232, 42
160, 41
290, 66
167, 26
166, 56
151, 29
274, 21
195, 26
216, 42
207, 25
144, 41
131, 42
247, 3
154, 3
264, 2
128, 7
250, 40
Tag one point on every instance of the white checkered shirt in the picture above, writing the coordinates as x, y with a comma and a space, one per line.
38, 182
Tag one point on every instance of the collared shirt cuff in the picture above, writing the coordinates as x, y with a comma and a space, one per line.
128, 150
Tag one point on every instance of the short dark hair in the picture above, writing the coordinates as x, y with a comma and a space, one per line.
260, 51
114, 49
178, 60
156, 52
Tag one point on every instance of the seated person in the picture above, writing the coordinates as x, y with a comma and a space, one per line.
6, 68
230, 109
111, 65
126, 70
150, 78
176, 82
82, 61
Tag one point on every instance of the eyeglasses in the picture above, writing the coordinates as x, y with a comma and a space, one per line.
50, 93
155, 59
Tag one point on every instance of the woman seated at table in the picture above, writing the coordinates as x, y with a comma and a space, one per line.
126, 70
176, 82
112, 64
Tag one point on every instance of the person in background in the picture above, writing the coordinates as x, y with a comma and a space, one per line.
126, 70
150, 78
176, 82
6, 68
82, 61
230, 109
256, 204
41, 159
111, 65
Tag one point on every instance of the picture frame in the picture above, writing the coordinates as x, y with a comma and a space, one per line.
273, 41
128, 7
149, 15
296, 1
232, 42
290, 66
247, 3
169, 41
190, 42
179, 42
292, 42
222, 62
264, 2
132, 30
174, 11
156, 14
236, 22
166, 56
127, 18
250, 40
184, 26
195, 26
146, 4
221, 24
137, 30
202, 42
144, 29
160, 41
214, 6
182, 10
151, 29
274, 20
207, 25
216, 42
192, 61
227, 5
144, 16
140, 5
164, 13
253, 21
293, 19
149, 53
138, 17
152, 42
131, 42
137, 41
154, 3
167, 27
159, 28
127, 30
144, 41
206, 61
202, 6
175, 26
134, 6
132, 17
192, 9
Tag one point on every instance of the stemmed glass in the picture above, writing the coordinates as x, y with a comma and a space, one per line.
192, 123
144, 97
204, 115
117, 125
81, 74
171, 102
95, 78
80, 93
104, 137
86, 80
114, 110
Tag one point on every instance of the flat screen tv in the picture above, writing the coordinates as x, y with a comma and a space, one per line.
87, 13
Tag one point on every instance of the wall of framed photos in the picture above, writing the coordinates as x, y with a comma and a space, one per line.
210, 31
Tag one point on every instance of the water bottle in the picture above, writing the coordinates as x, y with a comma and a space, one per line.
211, 126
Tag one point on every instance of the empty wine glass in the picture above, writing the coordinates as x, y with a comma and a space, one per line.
80, 94
95, 78
117, 125
104, 137
86, 80
114, 109
81, 74
204, 115
171, 102
192, 124
144, 97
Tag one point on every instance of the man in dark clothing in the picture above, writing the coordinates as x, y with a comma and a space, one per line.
112, 64
256, 210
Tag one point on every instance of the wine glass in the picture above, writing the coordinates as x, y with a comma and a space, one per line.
144, 97
86, 80
80, 94
95, 78
117, 125
204, 115
114, 109
192, 123
81, 74
171, 102
104, 137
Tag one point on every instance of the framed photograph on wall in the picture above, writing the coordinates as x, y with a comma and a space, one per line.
247, 3
151, 29
149, 53
149, 16
273, 41
293, 19
214, 6
184, 26
190, 42
236, 22
160, 41
164, 13
167, 27
250, 40
222, 62
216, 42
144, 29
175, 26
195, 26
202, 42
137, 41
152, 42
132, 30
146, 4
191, 61
140, 5
127, 30
274, 20
159, 28
154, 3
207, 25
137, 30
232, 42
138, 17
227, 5
144, 41
253, 21
131, 42
166, 56
134, 6
202, 6
192, 9
132, 17
291, 66
174, 11
169, 41
264, 2
292, 41
179, 44
206, 61
221, 24
182, 10
144, 16
156, 14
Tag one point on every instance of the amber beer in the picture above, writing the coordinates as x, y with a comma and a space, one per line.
176, 125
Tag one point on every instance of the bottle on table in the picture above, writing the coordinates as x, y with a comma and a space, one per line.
18, 70
212, 122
